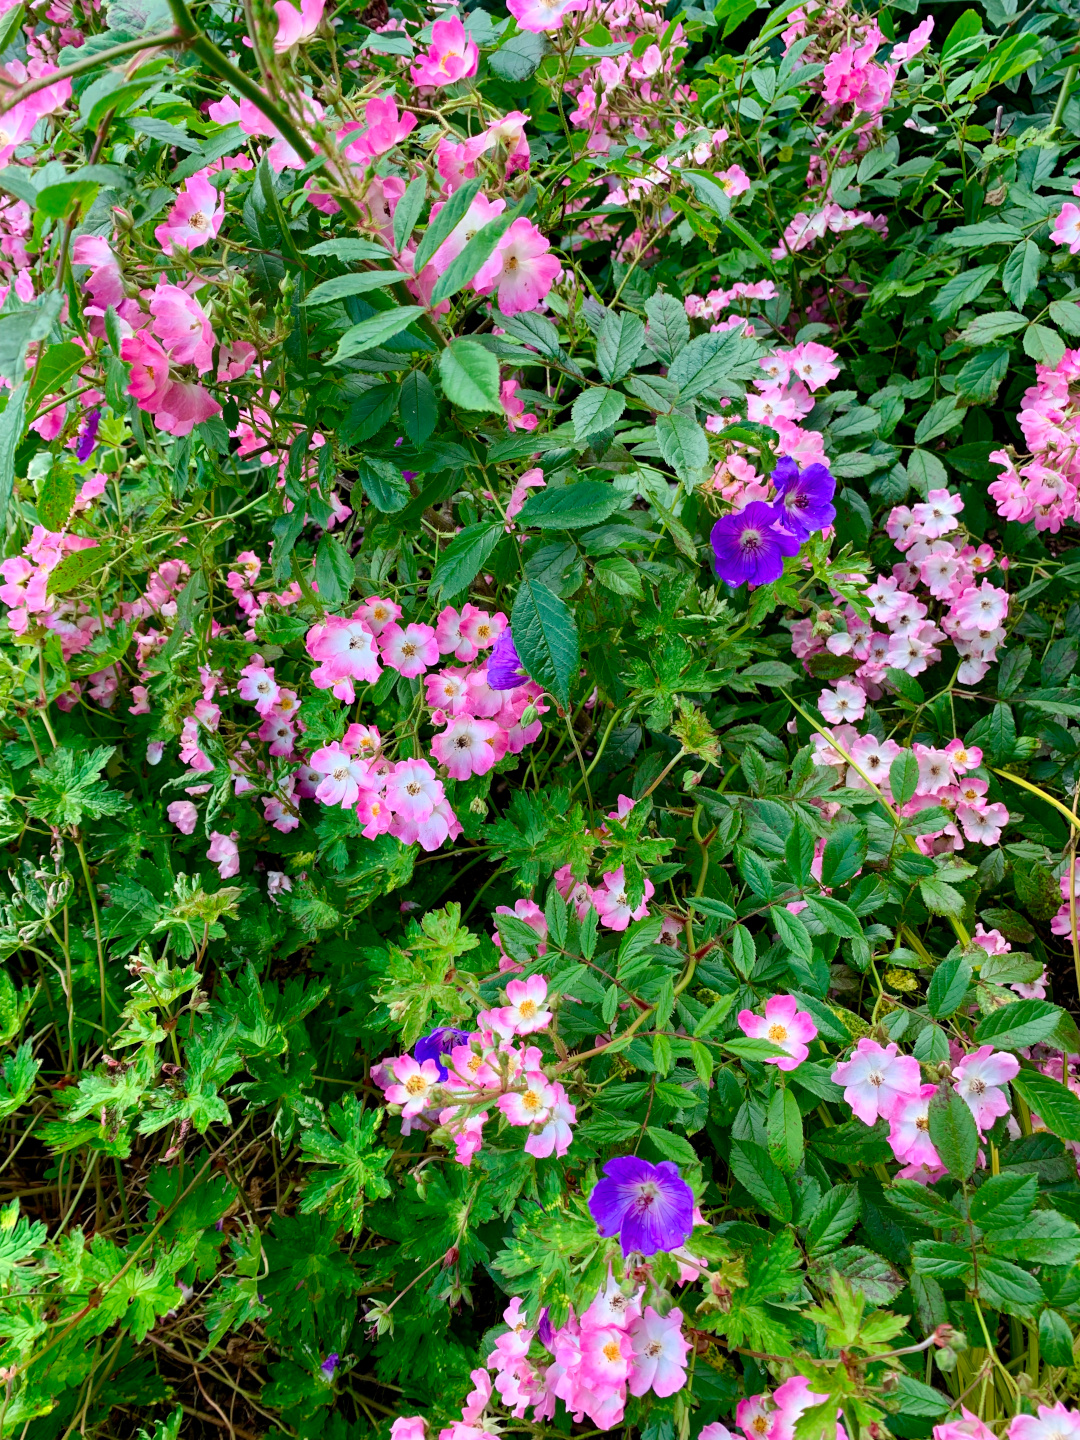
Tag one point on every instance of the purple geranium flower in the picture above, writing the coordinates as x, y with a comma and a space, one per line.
330, 1364
439, 1043
805, 502
649, 1207
504, 668
751, 545
88, 438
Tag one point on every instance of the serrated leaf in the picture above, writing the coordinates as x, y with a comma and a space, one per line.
546, 638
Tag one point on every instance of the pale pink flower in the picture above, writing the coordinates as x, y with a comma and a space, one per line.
469, 746
414, 1084
408, 1427
295, 26
342, 776
520, 268
194, 219
453, 55
525, 1012
105, 282
876, 1078
785, 1025
480, 629
409, 650
224, 853
909, 1129
182, 326
1054, 1422
1066, 229
258, 686
556, 1135
531, 1106
969, 1428
540, 15
660, 1352
346, 651
531, 480
378, 613
873, 758
843, 703
184, 815
981, 609
413, 790
612, 905
983, 826
979, 1077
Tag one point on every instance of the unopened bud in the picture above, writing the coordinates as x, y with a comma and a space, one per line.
450, 1258
478, 806
691, 778
529, 716
943, 1335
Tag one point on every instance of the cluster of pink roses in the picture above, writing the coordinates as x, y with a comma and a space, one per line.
879, 1082
1046, 487
456, 1077
615, 97
617, 1347
973, 611
781, 397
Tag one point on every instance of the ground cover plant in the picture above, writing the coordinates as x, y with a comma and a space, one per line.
539, 720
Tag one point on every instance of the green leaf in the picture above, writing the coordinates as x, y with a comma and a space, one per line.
408, 212
356, 1166
904, 777
835, 916
368, 413
70, 197
980, 378
845, 852
470, 376
709, 193
785, 1131
673, 1146
546, 638
1021, 273
917, 1398
334, 570
952, 1129
418, 407
618, 574
939, 898
833, 1219
1005, 1286
1016, 1026
596, 410
1066, 316
1055, 1339
376, 330
762, 1178
360, 284
668, 328
68, 787
1004, 1201
948, 986
1045, 346
462, 560
923, 1205
684, 445
12, 424
940, 1259
792, 932
620, 342
440, 228
516, 59
58, 364
944, 415
569, 507
1056, 1106
383, 484
799, 853
991, 326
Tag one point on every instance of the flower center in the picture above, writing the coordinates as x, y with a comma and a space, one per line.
750, 541
875, 1078
527, 1009
416, 1085
611, 1351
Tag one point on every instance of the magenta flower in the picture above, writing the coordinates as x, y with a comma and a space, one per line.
978, 1080
296, 25
649, 1207
469, 746
750, 546
408, 649
876, 1078
785, 1025
969, 1428
224, 854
